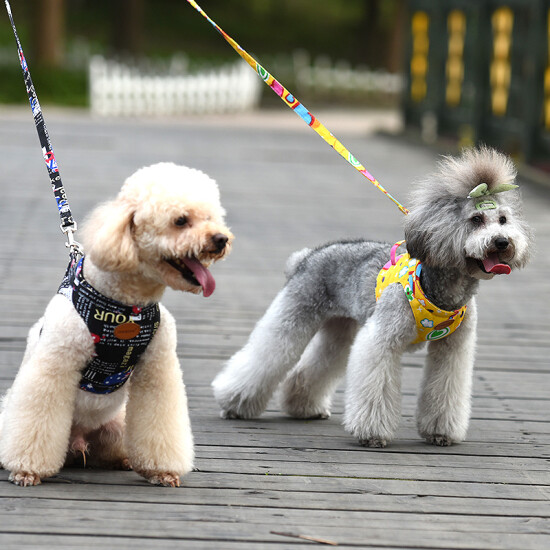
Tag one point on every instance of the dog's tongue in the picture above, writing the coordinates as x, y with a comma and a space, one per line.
492, 265
203, 276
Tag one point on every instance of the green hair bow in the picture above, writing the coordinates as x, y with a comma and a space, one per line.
482, 191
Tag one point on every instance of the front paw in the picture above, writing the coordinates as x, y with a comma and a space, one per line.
370, 433
308, 413
442, 431
440, 440
238, 398
124, 465
229, 415
238, 406
374, 442
25, 479
307, 409
165, 479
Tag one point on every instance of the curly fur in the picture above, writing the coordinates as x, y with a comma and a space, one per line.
326, 320
442, 196
129, 241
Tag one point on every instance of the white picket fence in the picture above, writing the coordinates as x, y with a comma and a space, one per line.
323, 76
117, 89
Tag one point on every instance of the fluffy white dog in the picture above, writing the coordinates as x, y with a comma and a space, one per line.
165, 227
345, 304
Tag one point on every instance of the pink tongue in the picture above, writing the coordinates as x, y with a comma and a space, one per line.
492, 265
203, 276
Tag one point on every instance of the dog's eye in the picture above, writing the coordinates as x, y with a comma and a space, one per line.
502, 220
181, 221
476, 220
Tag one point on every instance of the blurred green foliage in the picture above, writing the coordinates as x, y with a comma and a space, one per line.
354, 30
55, 86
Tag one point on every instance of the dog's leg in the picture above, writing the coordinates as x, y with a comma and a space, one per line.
278, 340
32, 340
444, 405
373, 391
158, 434
38, 410
307, 391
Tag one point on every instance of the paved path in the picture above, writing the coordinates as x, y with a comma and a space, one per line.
265, 483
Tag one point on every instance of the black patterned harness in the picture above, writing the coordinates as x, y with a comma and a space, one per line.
121, 333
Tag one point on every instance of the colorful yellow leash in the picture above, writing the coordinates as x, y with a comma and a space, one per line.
299, 109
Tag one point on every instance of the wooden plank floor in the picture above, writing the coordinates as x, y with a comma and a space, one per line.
264, 483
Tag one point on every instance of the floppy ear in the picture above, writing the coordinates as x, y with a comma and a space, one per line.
433, 235
416, 236
108, 238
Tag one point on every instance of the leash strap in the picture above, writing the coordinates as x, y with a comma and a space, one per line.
68, 225
299, 109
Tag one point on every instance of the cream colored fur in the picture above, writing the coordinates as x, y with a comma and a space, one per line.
46, 420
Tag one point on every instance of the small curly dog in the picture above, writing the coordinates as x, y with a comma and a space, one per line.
355, 305
165, 228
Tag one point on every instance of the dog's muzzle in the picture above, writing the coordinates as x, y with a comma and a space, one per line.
219, 240
497, 259
501, 243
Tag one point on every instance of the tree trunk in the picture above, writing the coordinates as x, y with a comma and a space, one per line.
128, 27
396, 42
48, 32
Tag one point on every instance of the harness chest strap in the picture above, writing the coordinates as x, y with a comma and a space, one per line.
121, 333
432, 323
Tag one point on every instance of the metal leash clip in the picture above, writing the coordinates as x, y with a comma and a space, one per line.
72, 244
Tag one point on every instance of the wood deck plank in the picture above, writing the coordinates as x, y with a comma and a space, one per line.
283, 190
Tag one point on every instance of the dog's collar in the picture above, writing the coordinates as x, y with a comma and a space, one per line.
432, 322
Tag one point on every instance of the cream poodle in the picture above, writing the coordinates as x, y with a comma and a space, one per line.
69, 398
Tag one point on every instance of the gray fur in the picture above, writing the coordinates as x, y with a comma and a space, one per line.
326, 317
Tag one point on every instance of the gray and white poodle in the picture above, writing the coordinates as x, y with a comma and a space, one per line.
465, 225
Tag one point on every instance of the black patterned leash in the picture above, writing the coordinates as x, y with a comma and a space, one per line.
68, 224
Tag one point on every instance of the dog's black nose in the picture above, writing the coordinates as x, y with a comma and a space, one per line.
501, 243
219, 240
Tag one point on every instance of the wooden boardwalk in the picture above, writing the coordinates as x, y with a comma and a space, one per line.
278, 483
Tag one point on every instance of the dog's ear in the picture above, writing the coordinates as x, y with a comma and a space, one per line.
417, 240
108, 237
432, 233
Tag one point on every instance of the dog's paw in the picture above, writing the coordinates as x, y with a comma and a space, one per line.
125, 465
440, 440
238, 398
229, 415
320, 415
25, 479
157, 477
370, 434
299, 399
305, 411
239, 407
374, 442
117, 464
310, 415
165, 479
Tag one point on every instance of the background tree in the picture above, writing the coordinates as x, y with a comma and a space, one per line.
128, 31
48, 32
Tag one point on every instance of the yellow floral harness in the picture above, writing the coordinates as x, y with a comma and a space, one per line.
432, 322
